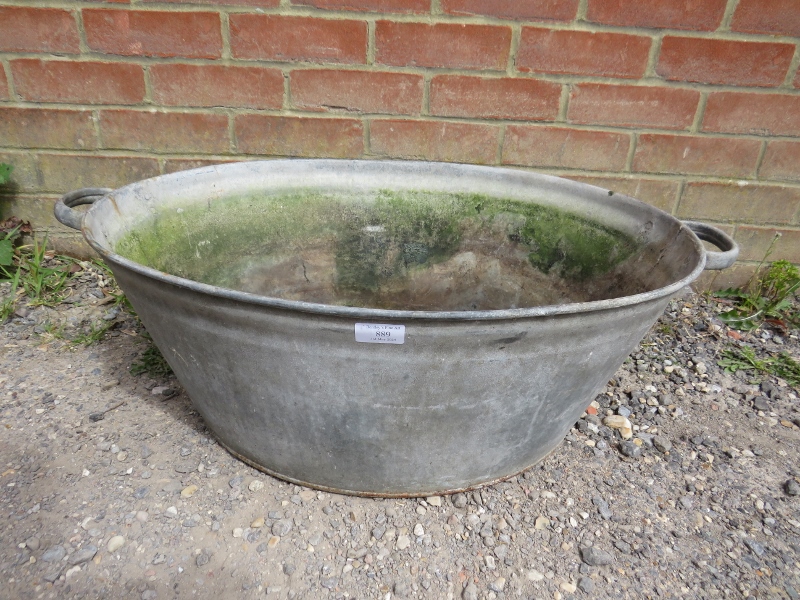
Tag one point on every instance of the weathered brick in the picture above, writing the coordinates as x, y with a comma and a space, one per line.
281, 38
432, 140
565, 148
778, 17
398, 6
4, 93
37, 30
723, 157
535, 10
85, 82
361, 91
60, 173
696, 15
736, 276
255, 3
726, 62
632, 106
164, 132
442, 45
45, 128
747, 203
583, 53
299, 136
153, 33
217, 85
36, 209
659, 193
494, 98
173, 165
755, 242
781, 161
759, 114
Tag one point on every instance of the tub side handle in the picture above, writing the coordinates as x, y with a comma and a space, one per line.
730, 249
70, 217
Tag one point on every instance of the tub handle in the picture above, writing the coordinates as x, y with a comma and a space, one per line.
70, 217
730, 249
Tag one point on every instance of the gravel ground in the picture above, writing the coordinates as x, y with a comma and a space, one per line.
141, 502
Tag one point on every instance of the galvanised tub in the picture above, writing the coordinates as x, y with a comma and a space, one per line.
390, 328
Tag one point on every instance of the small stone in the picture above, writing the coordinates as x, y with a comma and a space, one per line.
498, 584
403, 542
54, 554
171, 512
586, 585
202, 559
459, 500
662, 444
122, 456
791, 487
235, 482
145, 452
32, 543
401, 589
257, 523
83, 555
141, 492
541, 522
256, 485
630, 449
115, 543
594, 557
238, 532
288, 569
273, 541
534, 575
470, 592
142, 516
307, 495
71, 571
419, 530
621, 423
282, 527
568, 587
329, 582
761, 403
188, 491
434, 500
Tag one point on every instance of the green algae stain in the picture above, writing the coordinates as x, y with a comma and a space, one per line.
367, 239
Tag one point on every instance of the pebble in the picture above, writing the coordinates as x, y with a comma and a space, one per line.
282, 527
434, 500
238, 532
54, 554
595, 557
586, 585
171, 512
83, 555
630, 449
534, 575
403, 542
419, 530
257, 523
470, 592
115, 543
662, 444
791, 487
188, 491
620, 423
256, 485
459, 500
498, 584
32, 543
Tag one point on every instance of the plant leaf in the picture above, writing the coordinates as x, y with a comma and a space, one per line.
5, 173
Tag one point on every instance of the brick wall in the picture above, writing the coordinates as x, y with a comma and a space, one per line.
691, 105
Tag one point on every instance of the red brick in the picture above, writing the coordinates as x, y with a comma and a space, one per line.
384, 6
565, 148
434, 140
755, 242
536, 10
276, 37
258, 3
583, 53
749, 203
632, 106
724, 62
759, 114
781, 161
37, 30
447, 45
45, 128
173, 165
696, 15
656, 192
4, 93
723, 157
217, 85
164, 132
299, 136
362, 91
779, 17
495, 98
153, 33
85, 82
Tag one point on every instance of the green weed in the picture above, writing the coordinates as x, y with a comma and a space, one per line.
769, 299
151, 362
745, 359
95, 334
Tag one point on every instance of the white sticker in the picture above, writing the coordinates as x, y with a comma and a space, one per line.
373, 333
